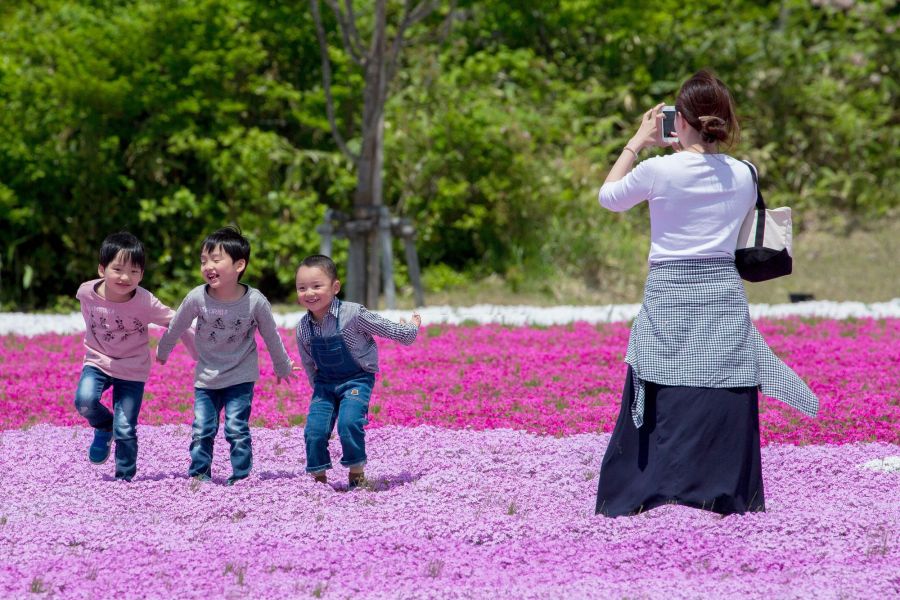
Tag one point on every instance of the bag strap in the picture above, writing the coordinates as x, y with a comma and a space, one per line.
760, 208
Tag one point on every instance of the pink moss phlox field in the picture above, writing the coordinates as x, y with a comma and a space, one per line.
452, 514
558, 380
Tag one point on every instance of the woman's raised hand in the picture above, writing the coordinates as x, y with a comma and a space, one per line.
650, 132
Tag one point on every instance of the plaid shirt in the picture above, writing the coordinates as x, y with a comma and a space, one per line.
358, 325
694, 329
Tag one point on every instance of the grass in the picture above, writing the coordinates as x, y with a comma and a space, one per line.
860, 265
839, 262
38, 586
239, 572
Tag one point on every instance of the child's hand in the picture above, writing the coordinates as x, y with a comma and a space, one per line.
160, 360
294, 368
415, 319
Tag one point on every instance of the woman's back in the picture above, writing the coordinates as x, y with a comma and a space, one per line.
697, 203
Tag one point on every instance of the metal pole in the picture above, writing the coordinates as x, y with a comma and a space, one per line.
326, 231
357, 263
412, 261
387, 257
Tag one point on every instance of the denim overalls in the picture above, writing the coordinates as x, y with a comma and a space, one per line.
340, 394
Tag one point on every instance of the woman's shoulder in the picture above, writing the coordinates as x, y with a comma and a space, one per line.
686, 159
673, 160
661, 166
742, 168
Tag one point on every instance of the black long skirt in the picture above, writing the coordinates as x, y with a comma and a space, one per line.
697, 447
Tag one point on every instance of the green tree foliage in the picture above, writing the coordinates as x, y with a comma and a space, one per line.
168, 119
173, 118
559, 86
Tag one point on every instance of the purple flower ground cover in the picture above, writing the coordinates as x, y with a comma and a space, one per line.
453, 513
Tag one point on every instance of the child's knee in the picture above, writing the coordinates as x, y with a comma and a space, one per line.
85, 399
315, 433
235, 432
349, 425
204, 429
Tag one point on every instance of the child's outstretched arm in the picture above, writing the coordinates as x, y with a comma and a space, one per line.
403, 332
284, 366
178, 326
162, 315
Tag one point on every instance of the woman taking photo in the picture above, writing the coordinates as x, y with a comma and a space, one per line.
688, 429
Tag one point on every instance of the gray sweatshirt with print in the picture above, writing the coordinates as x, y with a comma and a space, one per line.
225, 337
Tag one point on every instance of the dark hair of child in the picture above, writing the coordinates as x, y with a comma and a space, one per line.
320, 261
232, 242
131, 248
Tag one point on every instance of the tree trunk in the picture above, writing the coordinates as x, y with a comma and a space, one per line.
380, 63
363, 272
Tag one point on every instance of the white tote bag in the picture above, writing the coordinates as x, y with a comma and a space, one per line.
765, 242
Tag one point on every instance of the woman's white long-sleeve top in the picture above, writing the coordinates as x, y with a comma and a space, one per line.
697, 203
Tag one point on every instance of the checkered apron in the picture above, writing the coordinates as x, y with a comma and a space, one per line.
694, 329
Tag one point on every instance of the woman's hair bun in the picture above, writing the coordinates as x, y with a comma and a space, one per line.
706, 104
713, 128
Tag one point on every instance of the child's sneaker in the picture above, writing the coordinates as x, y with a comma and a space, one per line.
357, 480
99, 450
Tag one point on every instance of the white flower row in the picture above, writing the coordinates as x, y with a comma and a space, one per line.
611, 313
888, 464
35, 324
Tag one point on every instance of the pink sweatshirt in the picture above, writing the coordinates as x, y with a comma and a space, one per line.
115, 337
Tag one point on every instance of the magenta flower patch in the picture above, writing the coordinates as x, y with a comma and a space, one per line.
558, 380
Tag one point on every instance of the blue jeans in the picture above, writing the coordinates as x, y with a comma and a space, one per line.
127, 398
236, 400
347, 404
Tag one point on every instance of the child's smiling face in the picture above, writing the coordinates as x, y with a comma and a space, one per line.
316, 290
220, 272
120, 278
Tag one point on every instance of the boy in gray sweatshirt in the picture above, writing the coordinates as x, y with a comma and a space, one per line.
228, 314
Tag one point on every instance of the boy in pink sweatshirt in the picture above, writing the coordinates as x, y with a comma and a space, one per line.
116, 315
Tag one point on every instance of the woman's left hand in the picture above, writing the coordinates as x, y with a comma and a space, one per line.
650, 132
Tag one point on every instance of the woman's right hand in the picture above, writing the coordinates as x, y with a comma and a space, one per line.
650, 132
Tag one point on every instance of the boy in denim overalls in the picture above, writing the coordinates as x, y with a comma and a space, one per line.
341, 359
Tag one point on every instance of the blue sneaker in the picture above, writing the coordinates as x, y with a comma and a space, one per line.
99, 450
